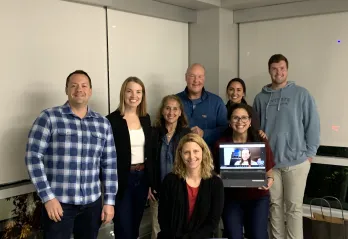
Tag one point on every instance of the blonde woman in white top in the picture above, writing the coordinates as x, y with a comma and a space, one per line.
131, 127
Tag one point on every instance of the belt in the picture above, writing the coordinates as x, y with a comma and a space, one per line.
137, 167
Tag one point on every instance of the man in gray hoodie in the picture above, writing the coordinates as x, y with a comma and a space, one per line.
289, 117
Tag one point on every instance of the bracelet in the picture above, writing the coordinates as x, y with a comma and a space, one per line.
270, 177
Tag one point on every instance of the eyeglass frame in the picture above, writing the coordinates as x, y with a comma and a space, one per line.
246, 118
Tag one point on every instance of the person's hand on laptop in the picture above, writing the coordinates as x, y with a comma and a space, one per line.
270, 181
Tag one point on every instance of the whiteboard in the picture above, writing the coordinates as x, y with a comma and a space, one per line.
317, 51
42, 41
152, 49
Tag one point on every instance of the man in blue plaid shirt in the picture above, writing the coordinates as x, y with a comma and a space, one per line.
71, 157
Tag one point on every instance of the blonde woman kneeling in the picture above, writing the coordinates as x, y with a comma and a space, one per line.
192, 197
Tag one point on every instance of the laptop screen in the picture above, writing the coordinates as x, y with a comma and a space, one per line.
247, 156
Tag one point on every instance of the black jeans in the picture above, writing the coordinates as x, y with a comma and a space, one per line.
129, 209
82, 220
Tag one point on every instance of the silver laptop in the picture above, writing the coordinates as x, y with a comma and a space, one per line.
243, 165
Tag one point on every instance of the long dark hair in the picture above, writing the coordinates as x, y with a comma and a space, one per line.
253, 134
249, 159
243, 86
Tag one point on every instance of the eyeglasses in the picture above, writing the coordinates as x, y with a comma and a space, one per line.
236, 119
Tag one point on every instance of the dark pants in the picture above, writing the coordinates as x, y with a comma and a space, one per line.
130, 208
254, 213
82, 220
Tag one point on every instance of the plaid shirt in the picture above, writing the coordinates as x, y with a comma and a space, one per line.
66, 154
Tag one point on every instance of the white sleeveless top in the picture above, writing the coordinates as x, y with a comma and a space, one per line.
137, 140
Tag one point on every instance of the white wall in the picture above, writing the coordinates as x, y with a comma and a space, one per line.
150, 8
317, 61
214, 43
290, 10
228, 50
42, 41
204, 46
154, 50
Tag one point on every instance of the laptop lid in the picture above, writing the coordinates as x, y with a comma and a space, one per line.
243, 165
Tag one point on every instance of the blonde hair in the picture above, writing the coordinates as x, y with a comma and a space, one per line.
159, 117
207, 165
141, 109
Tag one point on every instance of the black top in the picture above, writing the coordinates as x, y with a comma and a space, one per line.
123, 146
154, 163
174, 208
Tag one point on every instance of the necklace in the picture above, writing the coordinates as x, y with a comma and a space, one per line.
170, 134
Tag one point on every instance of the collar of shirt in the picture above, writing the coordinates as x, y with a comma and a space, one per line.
66, 109
203, 96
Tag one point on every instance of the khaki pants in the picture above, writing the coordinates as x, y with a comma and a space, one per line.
288, 189
154, 215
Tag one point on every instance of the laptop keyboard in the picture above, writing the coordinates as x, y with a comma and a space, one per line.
243, 175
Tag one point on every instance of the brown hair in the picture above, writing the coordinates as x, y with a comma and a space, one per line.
141, 109
78, 72
182, 120
277, 58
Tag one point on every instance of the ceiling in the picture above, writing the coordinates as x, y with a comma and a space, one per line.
229, 4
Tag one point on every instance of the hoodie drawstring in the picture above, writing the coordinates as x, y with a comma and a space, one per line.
269, 100
268, 89
280, 99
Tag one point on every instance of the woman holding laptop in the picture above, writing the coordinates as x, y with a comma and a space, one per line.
248, 207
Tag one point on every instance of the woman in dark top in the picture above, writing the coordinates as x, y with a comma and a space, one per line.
131, 127
236, 92
192, 197
170, 126
248, 207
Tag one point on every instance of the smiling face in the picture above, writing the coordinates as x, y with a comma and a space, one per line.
78, 90
279, 74
192, 155
240, 121
195, 78
133, 94
245, 154
235, 92
171, 111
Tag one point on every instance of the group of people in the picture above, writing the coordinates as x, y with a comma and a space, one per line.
173, 163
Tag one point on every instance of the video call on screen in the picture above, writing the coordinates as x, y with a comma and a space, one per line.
242, 156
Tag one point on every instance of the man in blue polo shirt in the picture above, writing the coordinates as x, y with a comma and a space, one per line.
70, 154
205, 111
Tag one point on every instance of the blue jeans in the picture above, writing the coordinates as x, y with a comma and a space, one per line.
252, 214
130, 208
82, 220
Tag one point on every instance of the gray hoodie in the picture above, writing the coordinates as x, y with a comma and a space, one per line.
290, 119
